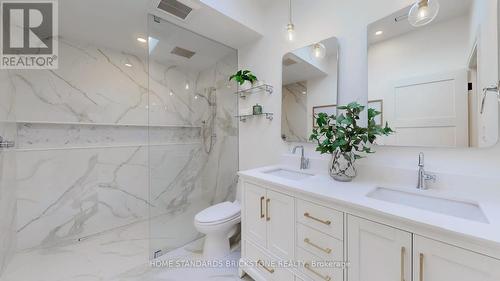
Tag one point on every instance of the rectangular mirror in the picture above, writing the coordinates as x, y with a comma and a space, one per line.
428, 80
309, 87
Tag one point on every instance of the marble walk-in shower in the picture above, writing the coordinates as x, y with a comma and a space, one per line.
116, 151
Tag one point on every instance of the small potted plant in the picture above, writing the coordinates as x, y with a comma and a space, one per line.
245, 78
345, 140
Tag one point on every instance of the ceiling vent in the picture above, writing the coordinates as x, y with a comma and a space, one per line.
288, 62
175, 8
182, 52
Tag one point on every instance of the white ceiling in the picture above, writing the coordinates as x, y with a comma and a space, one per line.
448, 9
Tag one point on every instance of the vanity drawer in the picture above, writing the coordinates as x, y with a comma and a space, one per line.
326, 220
319, 243
327, 271
265, 266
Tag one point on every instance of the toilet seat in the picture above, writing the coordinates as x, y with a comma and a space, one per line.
218, 214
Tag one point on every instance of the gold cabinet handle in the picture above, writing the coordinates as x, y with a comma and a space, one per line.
261, 263
268, 218
421, 267
326, 250
307, 215
403, 252
262, 207
308, 267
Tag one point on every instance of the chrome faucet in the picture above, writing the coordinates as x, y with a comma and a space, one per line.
304, 162
423, 177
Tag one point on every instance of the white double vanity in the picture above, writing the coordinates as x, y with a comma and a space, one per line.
430, 84
303, 225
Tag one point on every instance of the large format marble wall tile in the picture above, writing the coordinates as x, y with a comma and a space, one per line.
50, 135
7, 207
64, 195
7, 173
93, 85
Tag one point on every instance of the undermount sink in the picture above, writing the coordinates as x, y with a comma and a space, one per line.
461, 209
288, 174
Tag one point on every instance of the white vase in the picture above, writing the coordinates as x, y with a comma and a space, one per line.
342, 166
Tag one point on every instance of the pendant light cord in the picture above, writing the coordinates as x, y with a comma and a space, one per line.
290, 11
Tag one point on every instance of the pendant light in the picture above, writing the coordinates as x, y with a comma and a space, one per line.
318, 51
290, 28
423, 12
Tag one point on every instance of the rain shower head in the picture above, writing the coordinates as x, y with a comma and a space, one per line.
175, 8
185, 53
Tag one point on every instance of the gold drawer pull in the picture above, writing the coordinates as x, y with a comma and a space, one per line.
268, 217
308, 267
261, 207
421, 267
307, 215
326, 250
261, 263
403, 251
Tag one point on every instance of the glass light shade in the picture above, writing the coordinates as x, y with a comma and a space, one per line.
319, 51
423, 12
290, 32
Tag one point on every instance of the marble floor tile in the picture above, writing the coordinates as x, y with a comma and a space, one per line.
119, 255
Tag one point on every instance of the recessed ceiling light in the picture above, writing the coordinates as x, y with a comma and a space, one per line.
142, 40
128, 65
380, 32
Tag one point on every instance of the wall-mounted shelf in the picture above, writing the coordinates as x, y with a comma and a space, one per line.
268, 115
256, 89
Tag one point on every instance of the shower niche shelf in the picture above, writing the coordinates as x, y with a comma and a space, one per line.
269, 116
264, 88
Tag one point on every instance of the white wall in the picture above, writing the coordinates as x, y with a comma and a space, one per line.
260, 142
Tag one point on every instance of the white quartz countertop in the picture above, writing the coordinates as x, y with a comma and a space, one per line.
353, 195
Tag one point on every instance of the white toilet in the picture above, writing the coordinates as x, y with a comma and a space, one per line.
218, 222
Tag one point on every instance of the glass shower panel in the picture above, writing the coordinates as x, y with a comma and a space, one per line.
193, 132
81, 191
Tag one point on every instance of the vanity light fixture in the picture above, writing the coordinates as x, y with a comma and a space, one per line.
290, 28
142, 40
423, 12
319, 51
378, 33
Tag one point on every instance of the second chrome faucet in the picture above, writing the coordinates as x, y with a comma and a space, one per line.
423, 177
304, 162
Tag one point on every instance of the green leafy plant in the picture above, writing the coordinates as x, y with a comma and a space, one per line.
342, 132
243, 75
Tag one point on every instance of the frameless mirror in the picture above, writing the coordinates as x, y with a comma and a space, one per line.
429, 81
309, 87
